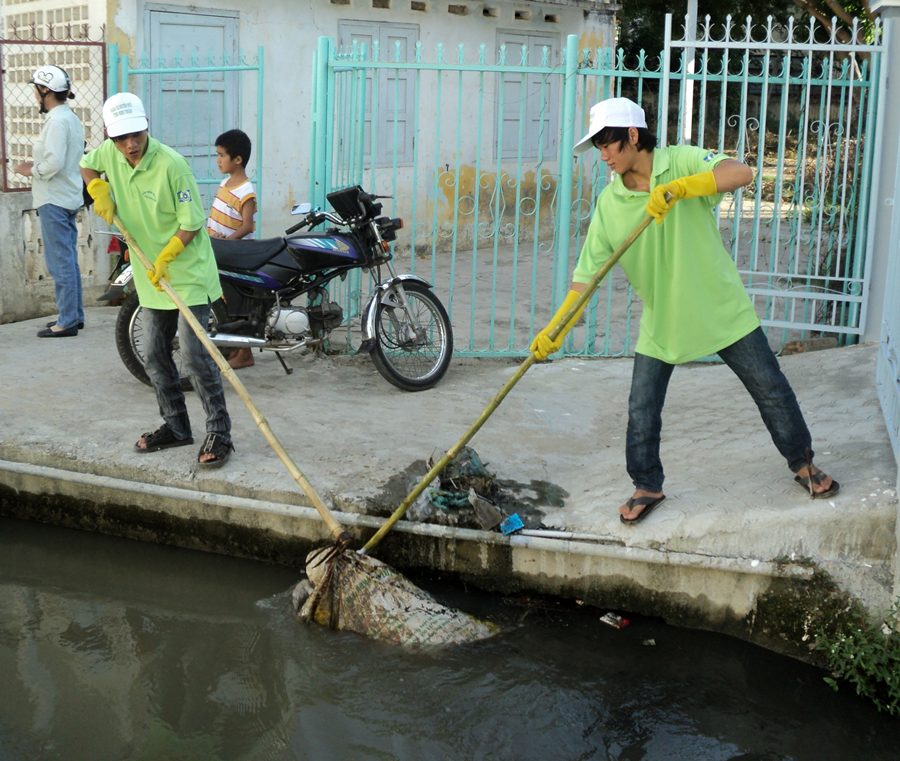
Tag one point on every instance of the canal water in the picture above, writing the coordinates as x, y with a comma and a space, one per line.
111, 649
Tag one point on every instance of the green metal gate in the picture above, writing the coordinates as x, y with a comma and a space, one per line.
496, 210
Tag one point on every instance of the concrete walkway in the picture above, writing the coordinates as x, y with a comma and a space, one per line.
734, 526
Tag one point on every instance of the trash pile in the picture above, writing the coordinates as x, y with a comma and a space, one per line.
466, 494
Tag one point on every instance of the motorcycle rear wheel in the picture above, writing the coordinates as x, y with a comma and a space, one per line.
131, 338
412, 352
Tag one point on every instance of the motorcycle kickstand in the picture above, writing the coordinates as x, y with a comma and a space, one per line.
287, 370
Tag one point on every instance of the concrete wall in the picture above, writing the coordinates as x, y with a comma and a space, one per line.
26, 288
885, 185
883, 318
767, 603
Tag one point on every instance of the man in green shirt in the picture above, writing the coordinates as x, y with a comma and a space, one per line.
694, 301
152, 189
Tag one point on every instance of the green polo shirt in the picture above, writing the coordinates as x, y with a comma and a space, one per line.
694, 301
154, 200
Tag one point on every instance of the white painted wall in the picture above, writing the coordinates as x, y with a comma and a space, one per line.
288, 31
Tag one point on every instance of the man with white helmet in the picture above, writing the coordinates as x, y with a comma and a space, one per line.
152, 189
56, 190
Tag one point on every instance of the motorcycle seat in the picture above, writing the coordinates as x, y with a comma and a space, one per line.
246, 254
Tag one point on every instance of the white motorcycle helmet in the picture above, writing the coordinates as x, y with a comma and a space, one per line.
53, 78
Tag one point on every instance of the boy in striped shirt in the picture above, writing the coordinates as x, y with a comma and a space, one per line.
233, 209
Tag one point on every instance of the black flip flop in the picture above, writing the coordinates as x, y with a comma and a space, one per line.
219, 447
648, 503
816, 479
161, 438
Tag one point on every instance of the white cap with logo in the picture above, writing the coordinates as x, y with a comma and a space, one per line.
123, 113
612, 112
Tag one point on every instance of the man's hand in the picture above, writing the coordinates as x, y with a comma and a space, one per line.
692, 186
104, 206
543, 346
163, 260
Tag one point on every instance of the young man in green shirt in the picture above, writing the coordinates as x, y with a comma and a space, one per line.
694, 301
153, 190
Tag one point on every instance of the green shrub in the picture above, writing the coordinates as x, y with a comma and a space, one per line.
867, 656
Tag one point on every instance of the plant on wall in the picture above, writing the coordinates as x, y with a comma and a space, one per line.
866, 655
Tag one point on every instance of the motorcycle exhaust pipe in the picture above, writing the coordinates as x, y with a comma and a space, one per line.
232, 341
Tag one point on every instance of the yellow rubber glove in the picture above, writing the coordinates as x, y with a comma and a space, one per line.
692, 186
543, 346
104, 206
164, 259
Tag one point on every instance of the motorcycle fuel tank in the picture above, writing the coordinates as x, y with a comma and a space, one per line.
317, 251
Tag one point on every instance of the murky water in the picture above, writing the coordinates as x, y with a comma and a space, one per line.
118, 650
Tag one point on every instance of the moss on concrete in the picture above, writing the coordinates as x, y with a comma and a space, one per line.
793, 614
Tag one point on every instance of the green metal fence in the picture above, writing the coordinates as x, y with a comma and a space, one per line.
475, 148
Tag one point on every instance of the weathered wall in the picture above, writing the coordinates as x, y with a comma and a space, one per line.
26, 288
288, 33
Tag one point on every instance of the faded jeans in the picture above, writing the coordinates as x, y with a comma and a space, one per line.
755, 364
61, 253
161, 325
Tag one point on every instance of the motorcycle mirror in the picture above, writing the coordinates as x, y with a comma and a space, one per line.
301, 208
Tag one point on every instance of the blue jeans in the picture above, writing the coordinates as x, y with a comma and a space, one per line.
161, 326
60, 236
755, 364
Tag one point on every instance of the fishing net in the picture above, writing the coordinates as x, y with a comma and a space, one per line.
348, 591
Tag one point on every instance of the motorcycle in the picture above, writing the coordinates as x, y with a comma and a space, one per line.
405, 327
120, 276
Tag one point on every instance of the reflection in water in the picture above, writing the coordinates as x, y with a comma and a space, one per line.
116, 650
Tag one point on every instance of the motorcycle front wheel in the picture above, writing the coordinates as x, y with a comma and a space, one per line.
131, 339
413, 345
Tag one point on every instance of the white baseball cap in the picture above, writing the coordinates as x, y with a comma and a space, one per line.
612, 112
51, 77
123, 113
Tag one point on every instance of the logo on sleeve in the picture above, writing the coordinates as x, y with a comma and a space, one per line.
184, 196
710, 156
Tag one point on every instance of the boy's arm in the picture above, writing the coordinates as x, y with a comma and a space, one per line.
247, 223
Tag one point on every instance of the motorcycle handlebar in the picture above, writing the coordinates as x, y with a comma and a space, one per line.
314, 218
310, 220
371, 210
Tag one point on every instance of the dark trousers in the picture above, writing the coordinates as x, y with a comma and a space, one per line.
162, 325
755, 364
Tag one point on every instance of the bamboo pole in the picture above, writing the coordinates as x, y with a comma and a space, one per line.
337, 531
506, 388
